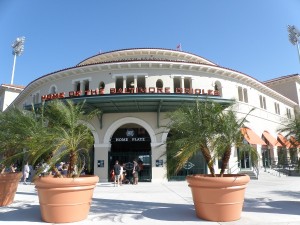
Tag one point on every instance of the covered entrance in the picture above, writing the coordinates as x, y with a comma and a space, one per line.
244, 159
131, 142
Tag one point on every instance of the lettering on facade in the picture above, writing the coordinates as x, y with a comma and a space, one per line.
129, 139
138, 90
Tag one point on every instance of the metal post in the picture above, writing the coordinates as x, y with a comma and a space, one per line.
13, 70
298, 50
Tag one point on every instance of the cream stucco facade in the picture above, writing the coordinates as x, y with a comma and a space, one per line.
135, 88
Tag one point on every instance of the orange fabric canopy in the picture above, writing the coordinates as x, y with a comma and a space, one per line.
271, 139
284, 141
252, 137
294, 143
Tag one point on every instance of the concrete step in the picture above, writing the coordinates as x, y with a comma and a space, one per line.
250, 173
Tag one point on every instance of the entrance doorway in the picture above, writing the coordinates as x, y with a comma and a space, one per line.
244, 158
266, 158
132, 142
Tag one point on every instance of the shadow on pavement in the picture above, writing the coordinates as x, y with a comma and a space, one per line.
108, 209
294, 194
265, 205
25, 212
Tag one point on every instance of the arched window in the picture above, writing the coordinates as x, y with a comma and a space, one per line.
37, 97
53, 90
218, 87
176, 83
187, 82
101, 85
159, 83
86, 85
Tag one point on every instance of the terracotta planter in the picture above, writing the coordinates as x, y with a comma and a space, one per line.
8, 187
218, 199
64, 200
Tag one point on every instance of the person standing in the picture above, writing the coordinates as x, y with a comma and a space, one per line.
121, 173
26, 173
117, 171
135, 172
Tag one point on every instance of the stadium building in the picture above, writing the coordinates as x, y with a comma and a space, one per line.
135, 88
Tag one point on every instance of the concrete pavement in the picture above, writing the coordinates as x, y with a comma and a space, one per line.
269, 200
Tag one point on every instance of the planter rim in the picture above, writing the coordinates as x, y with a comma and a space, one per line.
65, 181
226, 181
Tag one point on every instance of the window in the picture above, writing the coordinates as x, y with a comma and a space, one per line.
130, 82
277, 108
159, 83
86, 85
53, 90
77, 86
36, 98
101, 85
187, 82
288, 113
240, 90
243, 94
218, 87
176, 81
119, 83
262, 101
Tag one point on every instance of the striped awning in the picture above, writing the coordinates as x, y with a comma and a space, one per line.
272, 141
283, 141
252, 137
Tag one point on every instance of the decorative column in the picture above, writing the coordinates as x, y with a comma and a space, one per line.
192, 82
82, 87
182, 82
101, 162
135, 81
124, 82
146, 78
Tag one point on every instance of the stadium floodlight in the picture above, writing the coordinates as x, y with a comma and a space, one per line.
18, 48
294, 37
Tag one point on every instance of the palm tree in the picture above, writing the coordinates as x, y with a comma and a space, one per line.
48, 134
17, 127
63, 136
204, 127
291, 129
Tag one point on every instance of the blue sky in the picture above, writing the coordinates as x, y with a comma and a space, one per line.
249, 36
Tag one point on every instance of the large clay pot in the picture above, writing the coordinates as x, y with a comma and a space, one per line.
8, 187
218, 199
64, 200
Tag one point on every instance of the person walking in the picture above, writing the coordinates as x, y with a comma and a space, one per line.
117, 171
26, 173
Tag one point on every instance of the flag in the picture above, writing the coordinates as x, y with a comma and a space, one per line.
178, 47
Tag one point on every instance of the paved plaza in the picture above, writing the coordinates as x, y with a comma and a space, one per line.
269, 200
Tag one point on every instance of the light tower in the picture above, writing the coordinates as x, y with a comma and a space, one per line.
18, 48
294, 36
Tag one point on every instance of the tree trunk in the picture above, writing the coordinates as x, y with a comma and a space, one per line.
206, 154
71, 168
225, 160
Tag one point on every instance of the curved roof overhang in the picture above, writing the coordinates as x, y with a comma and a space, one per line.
115, 66
151, 53
145, 102
132, 103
